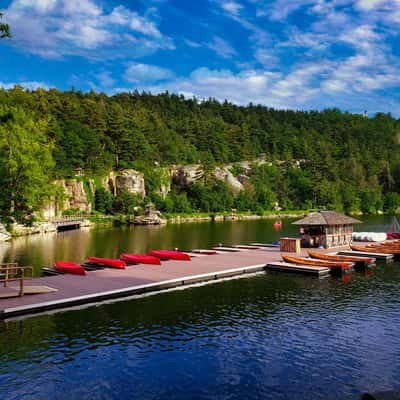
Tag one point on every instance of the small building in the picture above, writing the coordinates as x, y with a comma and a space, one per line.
326, 229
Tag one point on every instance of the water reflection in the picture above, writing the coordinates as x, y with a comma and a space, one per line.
43, 249
273, 336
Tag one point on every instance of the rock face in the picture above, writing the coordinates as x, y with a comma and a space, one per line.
76, 197
127, 180
4, 235
185, 175
223, 174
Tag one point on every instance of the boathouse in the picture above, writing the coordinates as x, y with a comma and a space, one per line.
326, 229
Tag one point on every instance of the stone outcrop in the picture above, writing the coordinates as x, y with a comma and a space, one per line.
127, 180
75, 196
183, 176
4, 235
223, 174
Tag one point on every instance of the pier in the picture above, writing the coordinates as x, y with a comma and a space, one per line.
107, 284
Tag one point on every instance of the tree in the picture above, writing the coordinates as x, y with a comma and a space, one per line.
26, 164
4, 29
103, 201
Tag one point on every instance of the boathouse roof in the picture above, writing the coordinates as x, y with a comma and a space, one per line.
327, 218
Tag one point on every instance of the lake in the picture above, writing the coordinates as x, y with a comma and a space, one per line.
271, 336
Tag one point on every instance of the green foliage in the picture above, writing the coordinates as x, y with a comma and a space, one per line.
25, 163
4, 29
103, 201
126, 203
323, 159
391, 202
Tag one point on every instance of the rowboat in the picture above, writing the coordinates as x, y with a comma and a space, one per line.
376, 249
109, 262
140, 259
69, 268
169, 255
338, 258
317, 263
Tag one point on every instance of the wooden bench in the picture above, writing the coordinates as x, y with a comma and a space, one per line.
11, 272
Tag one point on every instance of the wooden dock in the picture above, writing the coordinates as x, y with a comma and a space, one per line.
281, 266
108, 284
377, 256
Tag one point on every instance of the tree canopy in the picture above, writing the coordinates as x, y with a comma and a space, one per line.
4, 29
323, 158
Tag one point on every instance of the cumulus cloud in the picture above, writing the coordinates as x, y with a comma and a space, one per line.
145, 73
30, 85
57, 28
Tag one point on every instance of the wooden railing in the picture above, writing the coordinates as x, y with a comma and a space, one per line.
11, 272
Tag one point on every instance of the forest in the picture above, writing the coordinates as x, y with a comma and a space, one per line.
347, 161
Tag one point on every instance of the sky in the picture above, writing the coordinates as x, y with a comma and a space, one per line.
297, 54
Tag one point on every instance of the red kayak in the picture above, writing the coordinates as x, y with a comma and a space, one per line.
109, 262
69, 268
169, 255
140, 259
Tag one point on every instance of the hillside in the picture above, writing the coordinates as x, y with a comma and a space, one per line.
347, 162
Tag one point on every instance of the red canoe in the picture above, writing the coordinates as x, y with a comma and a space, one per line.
169, 255
109, 262
140, 259
69, 268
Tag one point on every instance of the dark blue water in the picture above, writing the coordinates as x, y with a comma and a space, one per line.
266, 337
272, 336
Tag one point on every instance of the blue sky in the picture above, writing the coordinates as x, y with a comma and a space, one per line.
301, 54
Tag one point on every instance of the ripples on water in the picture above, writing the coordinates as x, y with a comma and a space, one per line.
270, 336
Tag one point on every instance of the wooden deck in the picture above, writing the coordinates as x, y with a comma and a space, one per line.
101, 285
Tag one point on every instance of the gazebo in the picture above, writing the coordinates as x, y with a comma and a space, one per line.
326, 229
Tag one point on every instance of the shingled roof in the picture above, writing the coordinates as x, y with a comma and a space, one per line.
327, 218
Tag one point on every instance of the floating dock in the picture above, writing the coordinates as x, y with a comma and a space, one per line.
281, 266
106, 284
377, 256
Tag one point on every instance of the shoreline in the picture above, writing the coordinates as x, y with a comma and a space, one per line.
122, 220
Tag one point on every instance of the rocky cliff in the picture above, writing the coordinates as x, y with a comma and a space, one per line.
79, 192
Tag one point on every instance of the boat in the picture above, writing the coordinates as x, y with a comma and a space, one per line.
109, 262
205, 252
394, 232
140, 259
69, 268
277, 224
337, 258
50, 271
169, 255
376, 249
316, 263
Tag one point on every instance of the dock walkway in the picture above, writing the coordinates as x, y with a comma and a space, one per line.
101, 285
110, 283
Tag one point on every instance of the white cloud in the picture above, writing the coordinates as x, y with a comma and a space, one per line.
231, 6
145, 73
105, 79
56, 28
222, 47
30, 85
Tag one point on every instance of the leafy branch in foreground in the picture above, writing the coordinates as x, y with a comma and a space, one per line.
4, 29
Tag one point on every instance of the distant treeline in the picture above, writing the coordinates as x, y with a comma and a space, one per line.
350, 162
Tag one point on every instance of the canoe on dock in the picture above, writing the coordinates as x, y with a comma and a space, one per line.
318, 263
377, 249
69, 268
169, 255
205, 252
338, 258
109, 262
140, 259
